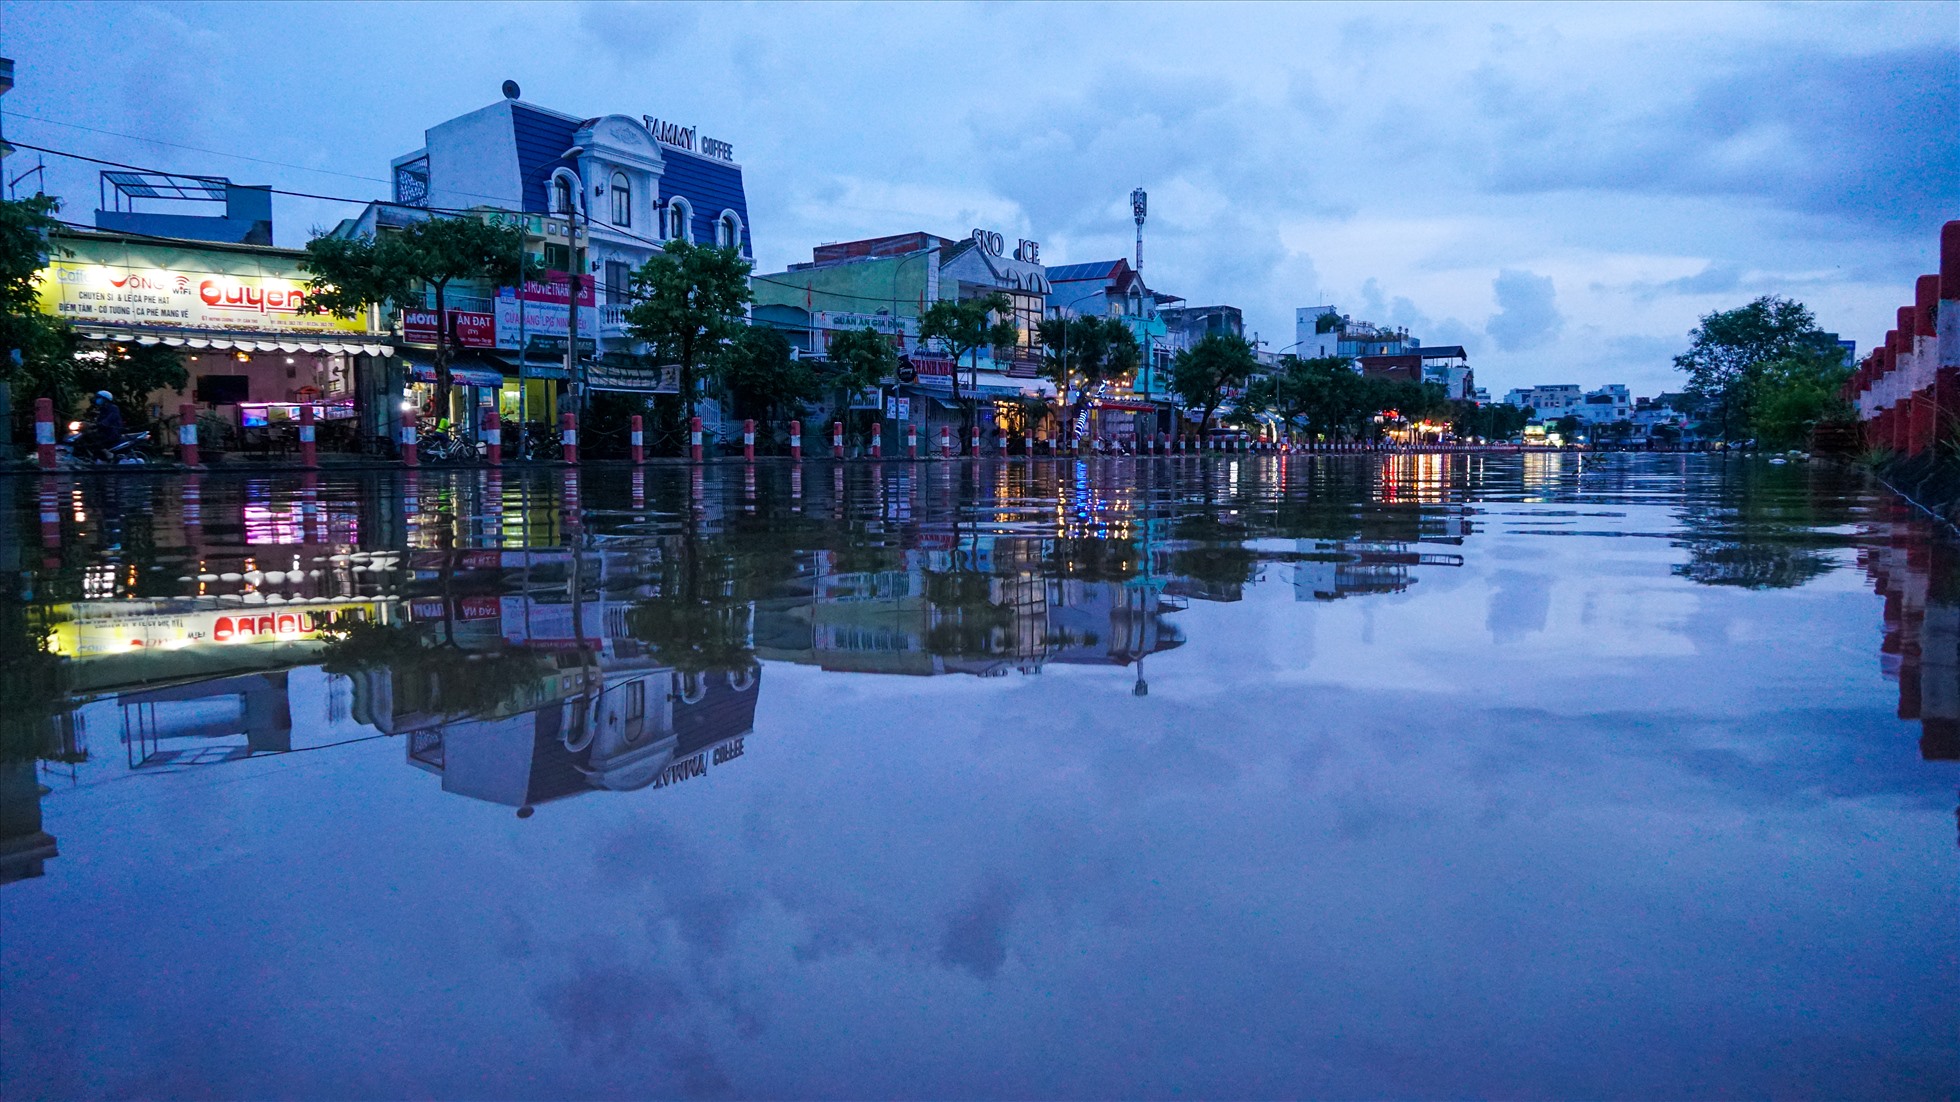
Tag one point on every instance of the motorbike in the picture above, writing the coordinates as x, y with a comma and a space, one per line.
134, 447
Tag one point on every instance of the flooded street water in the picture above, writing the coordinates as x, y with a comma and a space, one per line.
1432, 776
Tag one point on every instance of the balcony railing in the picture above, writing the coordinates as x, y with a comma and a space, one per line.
612, 315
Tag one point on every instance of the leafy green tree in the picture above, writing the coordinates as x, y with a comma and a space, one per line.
965, 328
351, 274
763, 377
863, 359
36, 351
1089, 350
1794, 392
692, 298
1498, 421
1731, 352
1202, 373
131, 373
443, 678
1568, 427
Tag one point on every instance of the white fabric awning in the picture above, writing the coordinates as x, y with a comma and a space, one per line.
351, 346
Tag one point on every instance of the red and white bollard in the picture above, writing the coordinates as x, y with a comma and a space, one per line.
945, 442
973, 442
568, 436
694, 439
837, 439
1027, 444
187, 433
748, 440
493, 437
1003, 445
44, 432
308, 456
911, 441
50, 500
639, 439
796, 441
407, 438
878, 440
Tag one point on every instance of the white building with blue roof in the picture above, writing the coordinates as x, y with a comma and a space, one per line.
599, 196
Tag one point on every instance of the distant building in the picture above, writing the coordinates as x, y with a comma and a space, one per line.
1449, 366
1192, 324
1325, 331
1605, 406
1552, 400
887, 284
199, 208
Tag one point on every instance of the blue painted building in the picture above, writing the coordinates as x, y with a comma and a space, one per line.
598, 196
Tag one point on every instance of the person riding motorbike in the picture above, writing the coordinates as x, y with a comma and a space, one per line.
104, 429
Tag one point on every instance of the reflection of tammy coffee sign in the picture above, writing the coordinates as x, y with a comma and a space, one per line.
686, 137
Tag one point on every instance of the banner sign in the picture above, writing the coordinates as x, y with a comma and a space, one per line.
636, 378
468, 328
118, 627
170, 287
521, 321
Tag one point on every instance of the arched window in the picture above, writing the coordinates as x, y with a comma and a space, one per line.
728, 230
564, 193
678, 217
622, 200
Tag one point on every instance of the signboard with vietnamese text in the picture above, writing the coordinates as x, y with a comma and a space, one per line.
467, 328
120, 627
544, 307
113, 283
903, 332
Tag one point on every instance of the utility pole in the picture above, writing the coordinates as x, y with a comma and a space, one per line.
574, 365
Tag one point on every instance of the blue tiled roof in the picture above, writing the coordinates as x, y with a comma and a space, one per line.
541, 137
710, 187
1066, 273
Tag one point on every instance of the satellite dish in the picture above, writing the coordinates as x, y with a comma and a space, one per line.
511, 91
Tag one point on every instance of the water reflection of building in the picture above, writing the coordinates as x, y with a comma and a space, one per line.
619, 731
1327, 570
1919, 579
987, 608
546, 696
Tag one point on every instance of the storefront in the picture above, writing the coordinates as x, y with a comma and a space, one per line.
234, 313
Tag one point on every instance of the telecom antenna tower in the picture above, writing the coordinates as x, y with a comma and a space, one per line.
1139, 204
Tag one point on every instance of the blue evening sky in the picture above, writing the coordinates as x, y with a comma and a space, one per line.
1561, 189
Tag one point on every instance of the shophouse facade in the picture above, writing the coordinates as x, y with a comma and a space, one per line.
233, 311
596, 198
1142, 407
886, 284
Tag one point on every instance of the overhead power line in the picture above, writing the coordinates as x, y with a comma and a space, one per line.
198, 148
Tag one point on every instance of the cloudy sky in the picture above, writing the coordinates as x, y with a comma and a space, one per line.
1562, 190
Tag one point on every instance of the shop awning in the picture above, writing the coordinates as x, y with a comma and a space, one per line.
988, 384
197, 340
465, 368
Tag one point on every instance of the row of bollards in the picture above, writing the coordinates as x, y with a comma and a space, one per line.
409, 433
1907, 390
